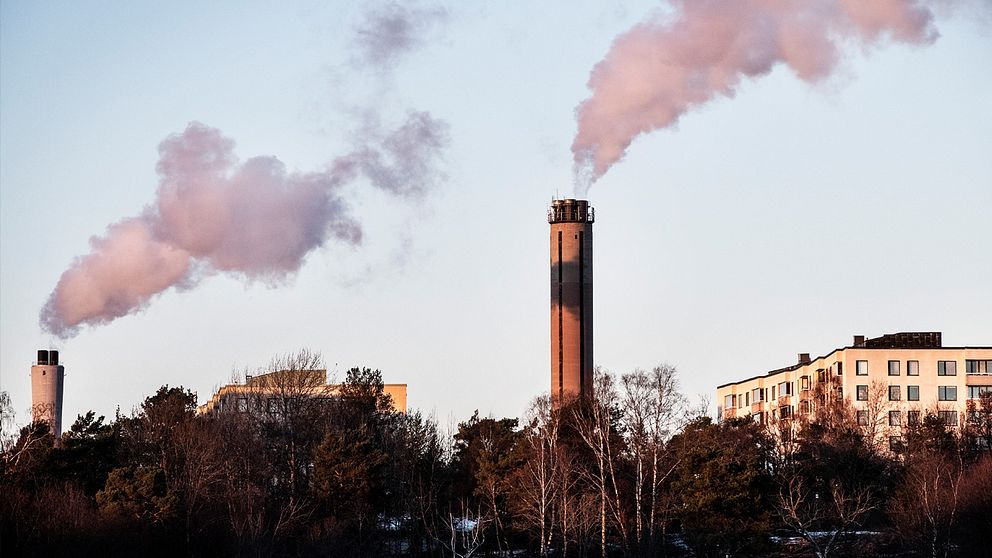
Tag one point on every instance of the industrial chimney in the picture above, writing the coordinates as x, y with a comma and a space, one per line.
47, 377
571, 298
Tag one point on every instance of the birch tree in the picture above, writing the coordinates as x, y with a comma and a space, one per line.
595, 421
538, 479
653, 408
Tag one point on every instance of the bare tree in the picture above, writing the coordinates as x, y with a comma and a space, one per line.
572, 510
200, 474
538, 478
926, 506
14, 448
460, 534
289, 399
874, 417
267, 430
821, 522
7, 427
653, 409
595, 425
978, 425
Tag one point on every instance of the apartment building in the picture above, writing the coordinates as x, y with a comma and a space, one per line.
269, 394
899, 375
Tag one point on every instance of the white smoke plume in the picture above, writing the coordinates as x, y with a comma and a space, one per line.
669, 64
214, 214
252, 219
391, 30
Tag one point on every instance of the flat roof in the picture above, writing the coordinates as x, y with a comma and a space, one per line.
859, 347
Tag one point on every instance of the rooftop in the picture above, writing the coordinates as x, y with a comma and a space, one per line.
901, 340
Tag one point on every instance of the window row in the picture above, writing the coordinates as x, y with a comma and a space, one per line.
758, 395
894, 393
944, 393
975, 392
944, 367
949, 418
270, 405
983, 367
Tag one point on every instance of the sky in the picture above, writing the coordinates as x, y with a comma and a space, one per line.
776, 214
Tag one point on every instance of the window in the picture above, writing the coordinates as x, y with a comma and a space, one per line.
786, 412
272, 406
862, 393
804, 383
840, 368
947, 368
893, 368
862, 418
758, 395
242, 404
912, 393
839, 393
862, 368
895, 418
747, 398
785, 388
728, 401
950, 418
773, 394
912, 418
804, 407
947, 393
759, 418
976, 417
894, 394
983, 367
975, 392
912, 368
895, 443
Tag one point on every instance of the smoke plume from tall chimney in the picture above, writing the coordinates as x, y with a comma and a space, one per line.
252, 219
668, 64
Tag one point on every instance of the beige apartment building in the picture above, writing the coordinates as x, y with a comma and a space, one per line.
893, 379
268, 394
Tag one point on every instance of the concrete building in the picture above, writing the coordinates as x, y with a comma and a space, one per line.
269, 393
47, 385
571, 297
893, 378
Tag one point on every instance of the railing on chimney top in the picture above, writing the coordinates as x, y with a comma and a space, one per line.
571, 214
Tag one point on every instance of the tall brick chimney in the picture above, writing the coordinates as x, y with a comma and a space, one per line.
571, 298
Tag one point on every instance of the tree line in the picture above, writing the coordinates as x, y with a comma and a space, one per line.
634, 471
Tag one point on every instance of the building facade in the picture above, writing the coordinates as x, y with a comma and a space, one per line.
571, 298
269, 394
890, 381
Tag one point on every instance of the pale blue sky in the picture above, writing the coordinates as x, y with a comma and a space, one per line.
781, 221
